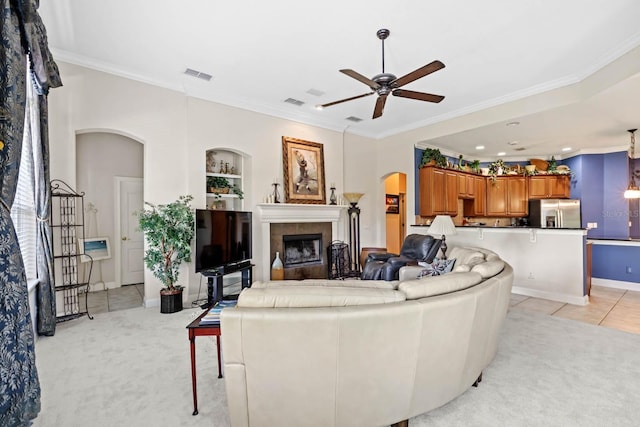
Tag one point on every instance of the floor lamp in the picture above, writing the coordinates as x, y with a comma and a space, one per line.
354, 228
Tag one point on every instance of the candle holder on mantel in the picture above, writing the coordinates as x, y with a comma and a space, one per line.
333, 200
276, 194
354, 228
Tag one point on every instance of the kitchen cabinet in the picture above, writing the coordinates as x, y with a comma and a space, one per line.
466, 185
438, 191
549, 187
507, 197
477, 205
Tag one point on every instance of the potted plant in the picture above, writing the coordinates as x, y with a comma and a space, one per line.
475, 166
433, 156
219, 185
168, 230
496, 168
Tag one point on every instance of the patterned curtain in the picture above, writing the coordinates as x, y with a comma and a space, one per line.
21, 32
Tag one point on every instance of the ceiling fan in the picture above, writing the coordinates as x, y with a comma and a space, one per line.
386, 83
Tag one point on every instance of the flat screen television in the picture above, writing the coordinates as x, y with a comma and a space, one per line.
223, 239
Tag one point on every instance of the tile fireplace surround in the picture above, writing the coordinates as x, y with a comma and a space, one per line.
280, 213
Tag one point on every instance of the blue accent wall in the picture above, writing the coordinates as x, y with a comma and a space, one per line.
611, 262
616, 207
417, 159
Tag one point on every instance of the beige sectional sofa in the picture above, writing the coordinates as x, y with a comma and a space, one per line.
362, 353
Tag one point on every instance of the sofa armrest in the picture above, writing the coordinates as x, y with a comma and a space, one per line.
410, 273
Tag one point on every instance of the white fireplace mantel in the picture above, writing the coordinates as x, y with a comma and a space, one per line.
289, 213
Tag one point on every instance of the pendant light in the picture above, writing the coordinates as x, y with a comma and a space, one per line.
632, 192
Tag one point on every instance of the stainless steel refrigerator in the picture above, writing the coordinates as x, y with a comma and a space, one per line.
555, 213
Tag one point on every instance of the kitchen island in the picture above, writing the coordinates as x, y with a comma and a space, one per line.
549, 263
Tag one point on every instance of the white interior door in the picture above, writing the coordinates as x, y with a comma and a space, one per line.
131, 240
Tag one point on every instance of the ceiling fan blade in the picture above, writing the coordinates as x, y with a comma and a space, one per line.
416, 74
420, 96
359, 77
377, 111
346, 99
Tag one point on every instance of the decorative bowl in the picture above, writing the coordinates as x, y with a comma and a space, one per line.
541, 165
530, 168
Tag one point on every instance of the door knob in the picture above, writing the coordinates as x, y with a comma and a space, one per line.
124, 238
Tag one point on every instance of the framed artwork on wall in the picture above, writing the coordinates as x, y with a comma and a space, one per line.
393, 204
96, 247
303, 166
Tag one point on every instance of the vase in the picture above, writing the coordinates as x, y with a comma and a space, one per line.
277, 268
170, 301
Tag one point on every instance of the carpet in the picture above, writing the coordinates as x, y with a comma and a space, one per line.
132, 368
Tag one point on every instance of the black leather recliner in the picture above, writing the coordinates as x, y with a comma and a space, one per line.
386, 266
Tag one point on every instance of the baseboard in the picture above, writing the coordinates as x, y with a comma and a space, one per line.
151, 302
617, 284
553, 296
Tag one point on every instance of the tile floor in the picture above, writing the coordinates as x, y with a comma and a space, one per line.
122, 298
608, 307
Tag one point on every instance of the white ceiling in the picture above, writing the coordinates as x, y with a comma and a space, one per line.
568, 71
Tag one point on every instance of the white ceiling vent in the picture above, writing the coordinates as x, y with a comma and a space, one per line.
315, 92
198, 74
293, 101
354, 119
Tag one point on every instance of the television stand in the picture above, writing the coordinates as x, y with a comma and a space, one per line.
215, 279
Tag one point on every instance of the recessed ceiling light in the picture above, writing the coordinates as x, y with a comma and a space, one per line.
502, 153
479, 147
566, 149
513, 123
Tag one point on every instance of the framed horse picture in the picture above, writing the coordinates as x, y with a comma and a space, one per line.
303, 166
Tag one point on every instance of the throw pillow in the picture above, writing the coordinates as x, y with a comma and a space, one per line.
438, 267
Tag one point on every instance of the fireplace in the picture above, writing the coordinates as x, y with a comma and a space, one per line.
302, 249
284, 219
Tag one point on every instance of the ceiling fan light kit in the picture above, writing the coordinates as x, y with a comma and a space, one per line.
386, 83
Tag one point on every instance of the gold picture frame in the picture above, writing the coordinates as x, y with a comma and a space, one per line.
303, 166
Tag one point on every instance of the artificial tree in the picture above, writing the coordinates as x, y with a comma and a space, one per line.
168, 230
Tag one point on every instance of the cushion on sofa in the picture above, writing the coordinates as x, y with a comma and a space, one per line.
431, 286
462, 268
489, 268
438, 267
316, 296
467, 256
349, 283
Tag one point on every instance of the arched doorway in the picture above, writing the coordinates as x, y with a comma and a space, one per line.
109, 170
395, 210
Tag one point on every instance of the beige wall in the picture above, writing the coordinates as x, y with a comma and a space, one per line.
176, 130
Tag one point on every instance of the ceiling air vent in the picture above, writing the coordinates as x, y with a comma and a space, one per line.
354, 119
293, 101
197, 74
519, 149
315, 92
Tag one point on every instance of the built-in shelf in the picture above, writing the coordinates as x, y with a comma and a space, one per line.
224, 175
213, 159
